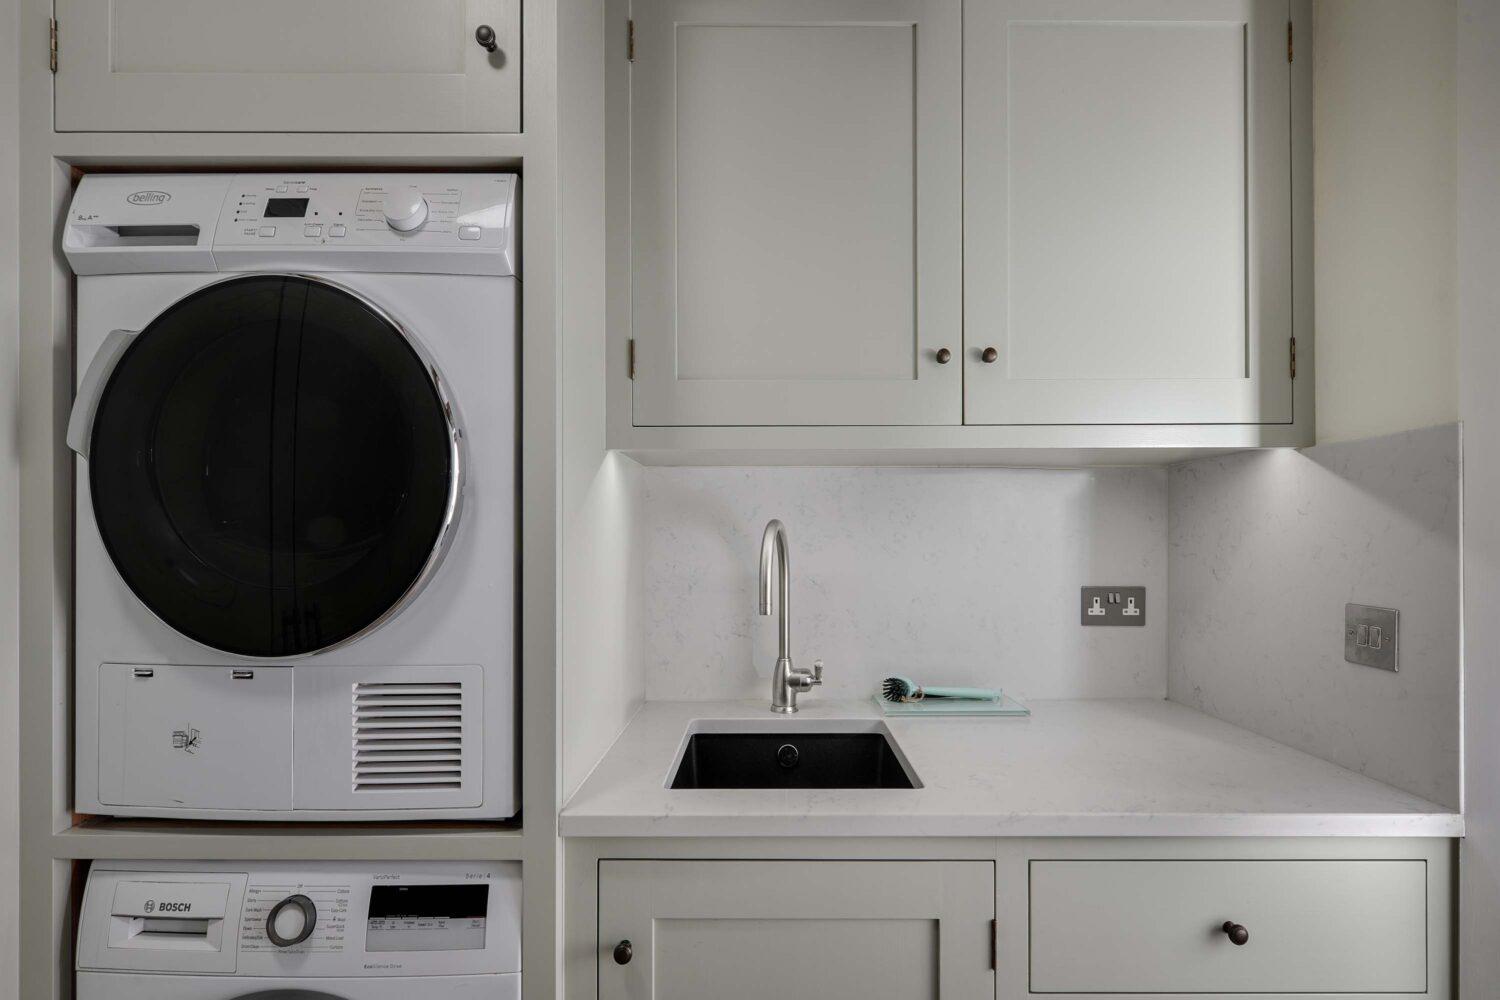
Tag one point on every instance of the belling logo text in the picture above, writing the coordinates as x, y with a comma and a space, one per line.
148, 197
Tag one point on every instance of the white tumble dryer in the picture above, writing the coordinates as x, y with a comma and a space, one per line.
205, 930
296, 499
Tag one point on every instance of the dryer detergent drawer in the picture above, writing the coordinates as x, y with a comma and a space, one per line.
195, 736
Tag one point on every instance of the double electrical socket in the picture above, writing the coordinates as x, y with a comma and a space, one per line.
1113, 606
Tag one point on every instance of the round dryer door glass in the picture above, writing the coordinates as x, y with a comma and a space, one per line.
272, 467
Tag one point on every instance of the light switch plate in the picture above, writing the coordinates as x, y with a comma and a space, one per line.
1112, 606
1370, 636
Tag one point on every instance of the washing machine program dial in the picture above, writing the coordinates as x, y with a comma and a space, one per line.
291, 921
405, 209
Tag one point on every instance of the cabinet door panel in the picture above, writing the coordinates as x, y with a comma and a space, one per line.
1128, 200
836, 930
795, 211
287, 66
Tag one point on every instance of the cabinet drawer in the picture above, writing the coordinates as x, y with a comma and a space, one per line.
1157, 926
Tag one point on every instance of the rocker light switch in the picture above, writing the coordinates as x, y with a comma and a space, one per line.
1113, 606
1370, 636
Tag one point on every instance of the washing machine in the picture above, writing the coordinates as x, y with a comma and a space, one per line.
156, 930
296, 495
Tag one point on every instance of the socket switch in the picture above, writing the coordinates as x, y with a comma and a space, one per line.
1113, 606
1370, 636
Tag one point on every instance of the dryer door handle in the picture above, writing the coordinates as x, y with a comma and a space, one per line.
293, 994
86, 403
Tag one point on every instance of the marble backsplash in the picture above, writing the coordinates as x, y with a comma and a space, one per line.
1265, 550
947, 575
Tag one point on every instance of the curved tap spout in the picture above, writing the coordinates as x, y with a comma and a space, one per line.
776, 595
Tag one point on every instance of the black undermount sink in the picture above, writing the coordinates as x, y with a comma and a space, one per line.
790, 759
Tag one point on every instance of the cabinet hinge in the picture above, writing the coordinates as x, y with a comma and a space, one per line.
630, 352
52, 44
1289, 41
995, 945
630, 40
1294, 357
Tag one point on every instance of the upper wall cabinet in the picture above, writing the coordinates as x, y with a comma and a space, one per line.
1127, 213
288, 66
996, 213
795, 212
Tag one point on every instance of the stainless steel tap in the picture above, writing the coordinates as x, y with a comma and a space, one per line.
786, 680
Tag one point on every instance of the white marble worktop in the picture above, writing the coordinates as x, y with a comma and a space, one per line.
1096, 768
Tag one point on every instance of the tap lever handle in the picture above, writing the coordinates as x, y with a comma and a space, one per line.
817, 677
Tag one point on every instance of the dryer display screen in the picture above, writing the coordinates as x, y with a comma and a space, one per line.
427, 917
286, 208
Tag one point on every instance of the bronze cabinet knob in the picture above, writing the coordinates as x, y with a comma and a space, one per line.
624, 952
944, 356
989, 355
485, 36
1237, 933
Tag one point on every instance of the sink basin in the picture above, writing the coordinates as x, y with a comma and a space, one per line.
850, 753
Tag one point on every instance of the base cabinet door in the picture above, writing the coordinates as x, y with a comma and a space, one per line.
288, 66
830, 930
795, 212
1127, 212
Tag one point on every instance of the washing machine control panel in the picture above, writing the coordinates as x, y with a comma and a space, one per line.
470, 211
419, 223
324, 919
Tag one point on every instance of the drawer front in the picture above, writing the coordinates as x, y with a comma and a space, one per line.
1157, 926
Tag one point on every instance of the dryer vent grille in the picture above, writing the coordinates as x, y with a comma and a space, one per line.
408, 737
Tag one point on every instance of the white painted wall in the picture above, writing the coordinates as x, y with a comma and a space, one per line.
1266, 548
1479, 354
946, 575
1383, 180
603, 680
10, 470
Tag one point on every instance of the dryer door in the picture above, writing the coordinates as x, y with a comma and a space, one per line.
273, 467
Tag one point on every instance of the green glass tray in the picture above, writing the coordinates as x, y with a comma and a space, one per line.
1006, 706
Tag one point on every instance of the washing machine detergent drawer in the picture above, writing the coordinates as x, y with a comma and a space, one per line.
202, 930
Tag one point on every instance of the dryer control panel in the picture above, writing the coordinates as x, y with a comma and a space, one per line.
328, 919
419, 223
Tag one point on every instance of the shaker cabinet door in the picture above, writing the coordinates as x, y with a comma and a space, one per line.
795, 212
833, 930
1127, 215
287, 66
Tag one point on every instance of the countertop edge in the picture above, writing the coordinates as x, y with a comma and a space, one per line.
1363, 825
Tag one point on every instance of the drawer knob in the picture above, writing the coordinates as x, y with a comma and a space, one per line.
485, 36
989, 355
944, 356
1236, 932
624, 953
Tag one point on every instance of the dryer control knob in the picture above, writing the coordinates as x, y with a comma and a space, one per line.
405, 209
291, 921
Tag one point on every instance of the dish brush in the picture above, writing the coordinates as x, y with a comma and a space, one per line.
904, 689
